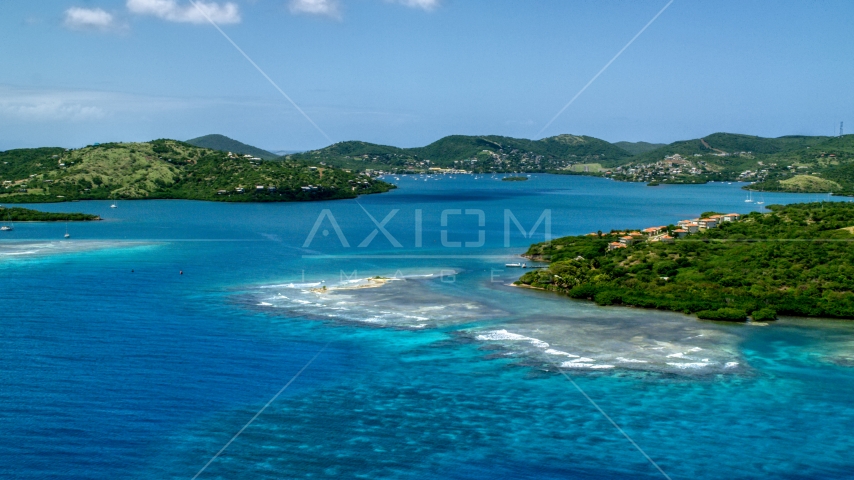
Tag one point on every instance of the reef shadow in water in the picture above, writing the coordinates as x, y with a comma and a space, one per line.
406, 303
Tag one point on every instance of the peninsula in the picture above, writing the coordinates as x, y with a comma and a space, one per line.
795, 260
169, 169
18, 214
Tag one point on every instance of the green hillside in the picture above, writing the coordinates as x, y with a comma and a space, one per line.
732, 144
225, 144
827, 166
637, 148
473, 153
791, 163
796, 260
168, 169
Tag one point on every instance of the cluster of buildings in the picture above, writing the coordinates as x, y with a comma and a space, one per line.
661, 233
671, 167
248, 157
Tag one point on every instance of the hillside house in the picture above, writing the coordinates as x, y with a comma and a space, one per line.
708, 223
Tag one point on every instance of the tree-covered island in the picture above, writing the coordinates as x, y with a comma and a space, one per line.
796, 260
18, 214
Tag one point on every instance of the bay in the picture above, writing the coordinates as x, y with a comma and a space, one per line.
141, 345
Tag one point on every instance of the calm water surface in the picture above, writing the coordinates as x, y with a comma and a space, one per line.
114, 365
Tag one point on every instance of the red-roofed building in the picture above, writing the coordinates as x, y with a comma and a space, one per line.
653, 230
707, 223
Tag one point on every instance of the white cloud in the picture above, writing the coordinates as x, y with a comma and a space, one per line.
328, 8
52, 110
332, 8
170, 10
51, 106
88, 19
32, 107
422, 4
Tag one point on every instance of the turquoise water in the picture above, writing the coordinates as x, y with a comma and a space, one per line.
114, 365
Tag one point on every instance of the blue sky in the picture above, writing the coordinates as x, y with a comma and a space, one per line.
407, 72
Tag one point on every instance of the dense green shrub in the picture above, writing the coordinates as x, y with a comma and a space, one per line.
607, 297
764, 315
585, 291
726, 314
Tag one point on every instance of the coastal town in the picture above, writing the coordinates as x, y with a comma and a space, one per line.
678, 169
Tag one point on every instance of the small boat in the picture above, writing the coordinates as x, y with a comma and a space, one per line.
749, 197
513, 265
114, 206
67, 235
7, 227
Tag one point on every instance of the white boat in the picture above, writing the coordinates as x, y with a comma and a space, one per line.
7, 227
114, 206
67, 235
514, 265
749, 197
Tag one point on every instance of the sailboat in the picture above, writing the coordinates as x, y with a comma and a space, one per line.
749, 197
7, 227
67, 235
761, 202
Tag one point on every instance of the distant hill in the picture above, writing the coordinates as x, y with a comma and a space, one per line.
720, 143
792, 163
827, 166
225, 144
487, 153
168, 169
636, 148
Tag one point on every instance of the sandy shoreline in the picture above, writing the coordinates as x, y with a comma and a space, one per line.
375, 282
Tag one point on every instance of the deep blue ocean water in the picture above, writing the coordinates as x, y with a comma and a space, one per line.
114, 365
